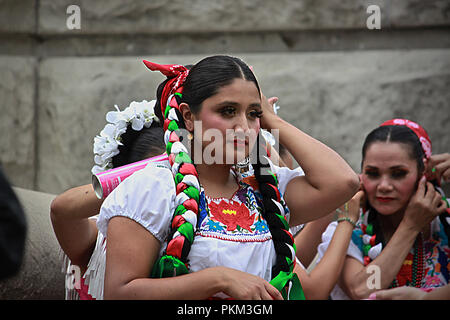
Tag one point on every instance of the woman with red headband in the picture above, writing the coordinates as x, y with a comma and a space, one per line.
207, 229
401, 238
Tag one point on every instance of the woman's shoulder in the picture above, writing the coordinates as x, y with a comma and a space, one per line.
284, 175
147, 197
158, 171
154, 180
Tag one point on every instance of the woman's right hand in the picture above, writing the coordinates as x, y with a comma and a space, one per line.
351, 208
245, 286
423, 207
438, 167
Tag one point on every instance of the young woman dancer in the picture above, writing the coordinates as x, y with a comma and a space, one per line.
204, 228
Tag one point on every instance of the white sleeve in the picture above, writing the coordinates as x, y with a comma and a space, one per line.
147, 197
352, 250
285, 174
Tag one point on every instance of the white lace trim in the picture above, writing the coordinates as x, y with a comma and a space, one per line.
95, 273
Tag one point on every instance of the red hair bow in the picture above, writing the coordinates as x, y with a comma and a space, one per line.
177, 72
418, 130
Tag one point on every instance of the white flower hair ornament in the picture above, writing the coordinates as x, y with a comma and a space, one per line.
106, 145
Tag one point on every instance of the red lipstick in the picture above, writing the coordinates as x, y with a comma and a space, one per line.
384, 199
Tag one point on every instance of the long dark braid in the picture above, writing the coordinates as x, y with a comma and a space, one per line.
274, 213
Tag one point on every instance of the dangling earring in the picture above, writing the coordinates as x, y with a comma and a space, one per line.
243, 166
189, 137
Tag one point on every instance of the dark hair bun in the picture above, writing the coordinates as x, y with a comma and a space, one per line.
139, 145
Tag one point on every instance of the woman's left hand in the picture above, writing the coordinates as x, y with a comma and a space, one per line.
401, 293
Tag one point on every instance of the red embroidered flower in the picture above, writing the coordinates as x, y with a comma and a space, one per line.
251, 181
433, 281
405, 273
232, 214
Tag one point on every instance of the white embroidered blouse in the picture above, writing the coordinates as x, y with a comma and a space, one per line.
230, 232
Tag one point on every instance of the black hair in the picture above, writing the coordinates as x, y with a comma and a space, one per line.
397, 134
205, 79
209, 75
404, 135
139, 145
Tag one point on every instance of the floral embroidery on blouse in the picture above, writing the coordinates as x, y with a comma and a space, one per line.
236, 219
234, 215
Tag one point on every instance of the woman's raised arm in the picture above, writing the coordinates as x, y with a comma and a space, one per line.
69, 213
328, 182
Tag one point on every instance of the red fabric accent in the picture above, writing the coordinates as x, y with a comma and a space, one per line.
83, 291
169, 70
166, 124
418, 130
267, 151
173, 102
177, 221
181, 186
405, 272
171, 159
179, 74
191, 204
173, 137
372, 240
276, 191
290, 235
251, 181
175, 247
188, 168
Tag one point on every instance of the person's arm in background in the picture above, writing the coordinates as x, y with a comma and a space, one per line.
438, 167
411, 293
320, 164
76, 233
318, 284
309, 238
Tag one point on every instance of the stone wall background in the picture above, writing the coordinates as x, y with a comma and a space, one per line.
336, 79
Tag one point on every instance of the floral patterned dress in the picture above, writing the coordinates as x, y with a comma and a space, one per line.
436, 257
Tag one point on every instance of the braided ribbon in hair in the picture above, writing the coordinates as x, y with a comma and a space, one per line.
184, 222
